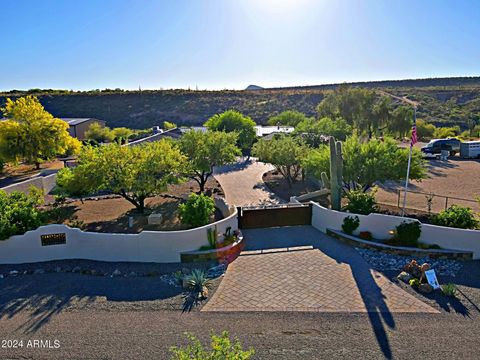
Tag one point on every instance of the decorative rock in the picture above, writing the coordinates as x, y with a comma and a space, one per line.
404, 276
155, 219
93, 272
76, 269
116, 273
425, 288
132, 274
13, 273
39, 272
58, 269
1, 276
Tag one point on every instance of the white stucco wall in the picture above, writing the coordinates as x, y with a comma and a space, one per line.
45, 183
147, 246
380, 225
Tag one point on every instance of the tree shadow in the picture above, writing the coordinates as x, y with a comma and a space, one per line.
229, 168
44, 296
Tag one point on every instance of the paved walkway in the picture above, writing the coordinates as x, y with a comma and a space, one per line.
243, 185
302, 269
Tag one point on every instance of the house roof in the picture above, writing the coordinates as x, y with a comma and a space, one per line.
76, 121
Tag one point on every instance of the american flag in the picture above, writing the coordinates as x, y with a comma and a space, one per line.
414, 139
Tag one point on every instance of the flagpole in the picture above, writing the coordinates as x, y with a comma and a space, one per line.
409, 162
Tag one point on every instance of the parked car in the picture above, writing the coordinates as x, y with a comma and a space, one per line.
436, 146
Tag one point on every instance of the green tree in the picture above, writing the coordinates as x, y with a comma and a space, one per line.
315, 131
197, 210
121, 134
222, 349
32, 134
364, 164
425, 131
19, 212
287, 118
99, 133
133, 172
168, 125
357, 106
401, 121
205, 150
234, 121
283, 152
446, 132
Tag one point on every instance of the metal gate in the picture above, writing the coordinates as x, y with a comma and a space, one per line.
274, 215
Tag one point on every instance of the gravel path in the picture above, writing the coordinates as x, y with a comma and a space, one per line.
94, 334
243, 185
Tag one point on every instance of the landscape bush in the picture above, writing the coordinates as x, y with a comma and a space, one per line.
449, 289
350, 224
222, 349
197, 210
457, 217
359, 202
19, 212
408, 233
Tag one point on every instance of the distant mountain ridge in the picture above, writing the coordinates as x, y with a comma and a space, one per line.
443, 101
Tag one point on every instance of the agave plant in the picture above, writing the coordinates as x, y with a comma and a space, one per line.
197, 282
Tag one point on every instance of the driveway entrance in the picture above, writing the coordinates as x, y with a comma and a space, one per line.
301, 269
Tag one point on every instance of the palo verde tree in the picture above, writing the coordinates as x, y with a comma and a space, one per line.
364, 164
133, 172
234, 121
288, 118
205, 150
32, 134
283, 152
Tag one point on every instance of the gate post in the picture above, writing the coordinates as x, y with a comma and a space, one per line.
239, 216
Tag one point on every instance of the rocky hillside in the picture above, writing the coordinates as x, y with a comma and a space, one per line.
445, 101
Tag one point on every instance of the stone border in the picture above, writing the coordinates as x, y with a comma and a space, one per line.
225, 254
400, 250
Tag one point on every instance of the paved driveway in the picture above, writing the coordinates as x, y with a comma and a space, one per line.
301, 269
243, 185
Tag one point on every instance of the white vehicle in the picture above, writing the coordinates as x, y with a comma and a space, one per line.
470, 149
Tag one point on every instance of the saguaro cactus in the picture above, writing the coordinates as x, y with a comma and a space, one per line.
336, 174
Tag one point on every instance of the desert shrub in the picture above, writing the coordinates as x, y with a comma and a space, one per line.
449, 289
19, 213
457, 217
408, 233
360, 202
196, 281
365, 235
222, 349
350, 224
197, 210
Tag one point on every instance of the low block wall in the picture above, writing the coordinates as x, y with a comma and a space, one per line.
380, 225
45, 183
147, 246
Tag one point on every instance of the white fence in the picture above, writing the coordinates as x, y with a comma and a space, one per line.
45, 183
147, 246
380, 225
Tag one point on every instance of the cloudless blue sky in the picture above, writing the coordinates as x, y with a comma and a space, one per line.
230, 44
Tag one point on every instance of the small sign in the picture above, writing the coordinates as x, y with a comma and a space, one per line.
53, 239
432, 279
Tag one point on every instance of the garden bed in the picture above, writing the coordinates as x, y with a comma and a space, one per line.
110, 214
400, 250
221, 254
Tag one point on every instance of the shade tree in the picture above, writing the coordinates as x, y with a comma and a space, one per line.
32, 134
205, 150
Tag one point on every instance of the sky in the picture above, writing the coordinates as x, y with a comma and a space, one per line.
230, 44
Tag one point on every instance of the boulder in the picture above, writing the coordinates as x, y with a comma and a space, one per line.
155, 219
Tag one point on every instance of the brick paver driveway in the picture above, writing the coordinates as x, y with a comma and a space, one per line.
243, 185
301, 269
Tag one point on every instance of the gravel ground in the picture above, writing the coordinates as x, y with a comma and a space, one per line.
384, 262
455, 177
